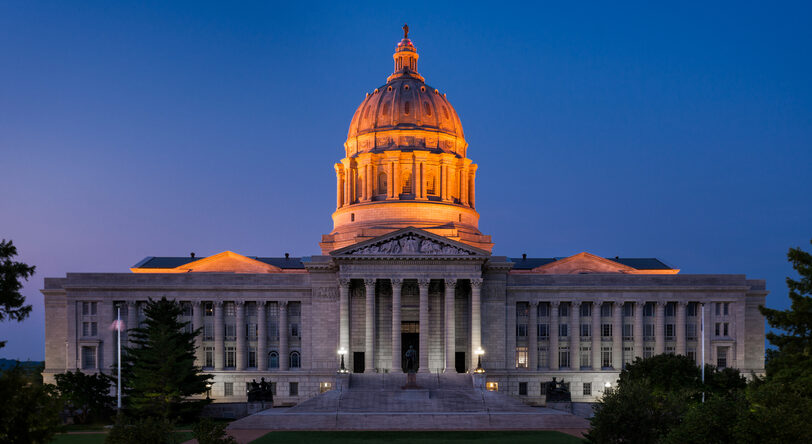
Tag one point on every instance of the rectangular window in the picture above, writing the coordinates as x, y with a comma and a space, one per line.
89, 329
587, 389
88, 358
521, 357
606, 310
669, 331
186, 308
648, 309
670, 350
718, 309
294, 389
543, 330
209, 356
251, 331
231, 332
726, 308
564, 357
231, 357
628, 355
228, 389
564, 310
648, 352
273, 388
718, 329
88, 308
208, 308
586, 357
691, 353
690, 331
543, 357
252, 357
325, 387
562, 330
521, 330
721, 357
606, 357
669, 309
294, 330
606, 330
691, 309
628, 309
208, 332
543, 310
522, 389
628, 332
492, 386
724, 329
522, 308
585, 330
648, 331
230, 309
586, 308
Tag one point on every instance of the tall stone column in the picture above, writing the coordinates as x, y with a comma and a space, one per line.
450, 337
346, 164
241, 345
464, 188
596, 335
284, 332
344, 316
659, 328
476, 320
219, 336
197, 322
262, 336
423, 353
575, 335
371, 179
369, 327
554, 335
533, 337
396, 181
638, 328
472, 188
617, 335
680, 327
339, 186
132, 319
397, 286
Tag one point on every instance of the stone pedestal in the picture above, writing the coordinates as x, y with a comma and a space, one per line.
411, 382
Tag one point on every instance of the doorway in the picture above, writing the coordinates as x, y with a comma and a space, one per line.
409, 337
459, 362
358, 362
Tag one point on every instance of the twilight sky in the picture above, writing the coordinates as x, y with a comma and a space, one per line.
682, 132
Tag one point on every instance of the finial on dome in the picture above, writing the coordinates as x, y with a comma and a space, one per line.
405, 31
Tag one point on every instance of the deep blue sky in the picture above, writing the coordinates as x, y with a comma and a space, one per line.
681, 131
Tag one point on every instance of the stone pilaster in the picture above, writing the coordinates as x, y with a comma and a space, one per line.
397, 286
596, 335
680, 328
575, 335
638, 328
617, 335
369, 327
242, 354
450, 336
476, 319
533, 336
262, 336
659, 328
554, 335
219, 336
423, 353
284, 332
197, 323
344, 317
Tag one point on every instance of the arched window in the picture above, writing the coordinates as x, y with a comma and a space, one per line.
382, 183
295, 360
273, 360
406, 107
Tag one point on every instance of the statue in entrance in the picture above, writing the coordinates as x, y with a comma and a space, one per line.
411, 357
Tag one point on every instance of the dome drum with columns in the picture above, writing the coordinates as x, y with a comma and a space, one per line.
405, 165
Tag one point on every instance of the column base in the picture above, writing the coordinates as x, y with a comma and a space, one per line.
396, 370
450, 370
423, 370
370, 370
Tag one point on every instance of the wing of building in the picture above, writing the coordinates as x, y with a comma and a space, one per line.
406, 266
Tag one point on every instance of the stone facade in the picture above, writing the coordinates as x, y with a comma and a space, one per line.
407, 266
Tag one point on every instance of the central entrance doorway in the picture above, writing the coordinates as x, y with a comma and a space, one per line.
409, 337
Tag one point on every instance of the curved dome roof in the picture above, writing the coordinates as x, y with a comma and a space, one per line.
405, 103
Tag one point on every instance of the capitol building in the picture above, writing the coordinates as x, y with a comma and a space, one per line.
406, 266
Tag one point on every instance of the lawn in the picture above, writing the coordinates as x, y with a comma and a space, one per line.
535, 437
98, 438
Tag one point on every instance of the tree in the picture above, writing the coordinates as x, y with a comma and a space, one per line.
142, 430
87, 394
29, 411
209, 432
791, 362
159, 371
11, 272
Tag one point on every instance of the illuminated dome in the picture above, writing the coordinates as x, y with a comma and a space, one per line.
405, 164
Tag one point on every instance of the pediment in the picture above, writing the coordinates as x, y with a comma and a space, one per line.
583, 263
410, 242
228, 262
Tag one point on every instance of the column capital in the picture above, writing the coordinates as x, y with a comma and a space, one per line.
597, 303
262, 303
682, 303
369, 282
450, 282
239, 302
555, 304
534, 303
659, 304
575, 304
477, 283
218, 304
396, 282
423, 282
344, 282
283, 305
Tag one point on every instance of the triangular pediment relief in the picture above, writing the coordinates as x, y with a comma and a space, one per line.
409, 242
583, 263
228, 262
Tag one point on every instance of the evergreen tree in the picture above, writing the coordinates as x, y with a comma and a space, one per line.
11, 272
89, 395
159, 369
791, 363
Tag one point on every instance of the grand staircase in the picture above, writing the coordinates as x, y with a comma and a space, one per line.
442, 402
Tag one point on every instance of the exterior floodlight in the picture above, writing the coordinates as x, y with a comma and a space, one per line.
342, 352
479, 352
208, 389
608, 384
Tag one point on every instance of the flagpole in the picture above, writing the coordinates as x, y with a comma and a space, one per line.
118, 382
703, 351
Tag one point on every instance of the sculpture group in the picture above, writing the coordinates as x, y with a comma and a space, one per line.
260, 391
